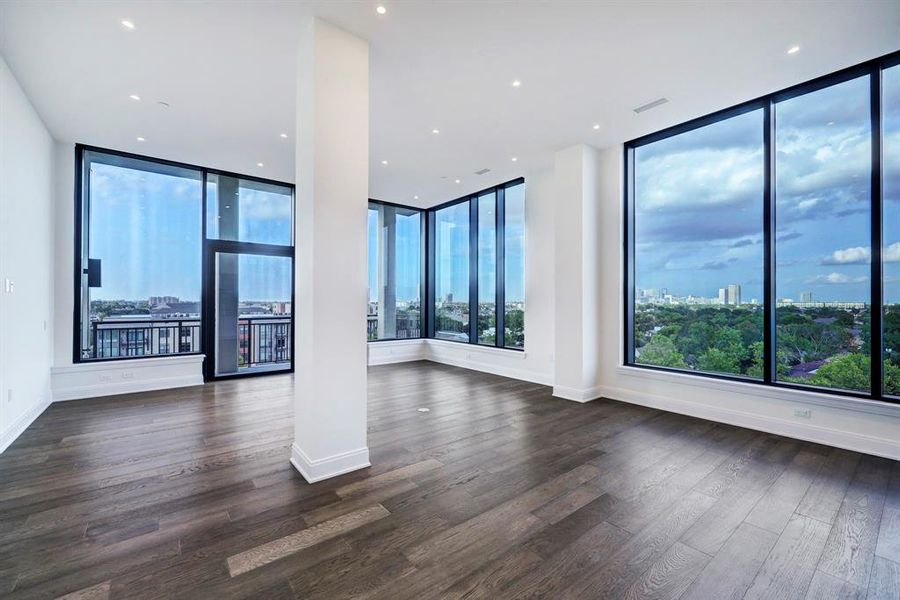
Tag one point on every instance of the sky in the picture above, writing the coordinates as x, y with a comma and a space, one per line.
699, 200
452, 257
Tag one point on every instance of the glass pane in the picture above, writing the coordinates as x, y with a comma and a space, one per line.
698, 254
253, 313
141, 254
395, 267
451, 277
487, 269
514, 267
823, 236
248, 211
891, 251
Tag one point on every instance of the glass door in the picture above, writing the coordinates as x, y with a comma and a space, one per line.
250, 309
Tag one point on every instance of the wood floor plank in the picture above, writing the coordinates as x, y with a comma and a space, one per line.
280, 548
731, 571
790, 566
885, 580
850, 548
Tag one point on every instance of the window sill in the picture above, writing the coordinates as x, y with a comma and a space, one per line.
128, 363
753, 389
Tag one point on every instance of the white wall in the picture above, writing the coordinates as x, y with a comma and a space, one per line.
868, 426
26, 258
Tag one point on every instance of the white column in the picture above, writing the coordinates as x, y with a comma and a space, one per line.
332, 198
577, 262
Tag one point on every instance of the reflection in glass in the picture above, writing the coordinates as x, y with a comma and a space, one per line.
823, 236
395, 272
246, 210
451, 278
514, 267
487, 269
890, 104
140, 258
698, 229
252, 313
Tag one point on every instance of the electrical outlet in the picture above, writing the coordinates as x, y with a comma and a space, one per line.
9, 396
127, 375
105, 378
804, 413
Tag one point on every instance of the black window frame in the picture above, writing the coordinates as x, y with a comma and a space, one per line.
871, 68
423, 248
207, 246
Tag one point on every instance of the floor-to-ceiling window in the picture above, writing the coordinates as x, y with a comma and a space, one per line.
148, 283
890, 252
698, 226
395, 243
750, 237
451, 272
486, 332
823, 236
514, 266
139, 275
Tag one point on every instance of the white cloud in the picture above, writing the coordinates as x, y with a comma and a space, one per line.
849, 256
836, 278
859, 255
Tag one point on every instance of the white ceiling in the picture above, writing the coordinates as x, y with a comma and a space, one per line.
227, 69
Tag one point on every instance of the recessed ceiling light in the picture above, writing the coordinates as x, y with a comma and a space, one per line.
516, 83
134, 97
415, 197
423, 409
140, 139
596, 126
381, 10
284, 135
435, 130
384, 162
457, 180
127, 24
793, 50
260, 165
514, 159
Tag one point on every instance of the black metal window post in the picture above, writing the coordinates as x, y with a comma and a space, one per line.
876, 308
473, 270
500, 265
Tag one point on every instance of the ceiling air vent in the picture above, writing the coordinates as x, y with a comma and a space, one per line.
649, 105
482, 171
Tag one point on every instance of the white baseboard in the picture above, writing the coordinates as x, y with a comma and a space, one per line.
489, 360
331, 466
575, 394
21, 424
398, 351
858, 442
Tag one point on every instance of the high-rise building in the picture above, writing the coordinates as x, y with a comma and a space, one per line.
723, 296
734, 294
806, 296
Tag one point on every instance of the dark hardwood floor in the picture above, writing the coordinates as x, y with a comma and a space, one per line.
500, 491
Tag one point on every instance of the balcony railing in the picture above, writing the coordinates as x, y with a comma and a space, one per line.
153, 337
262, 340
